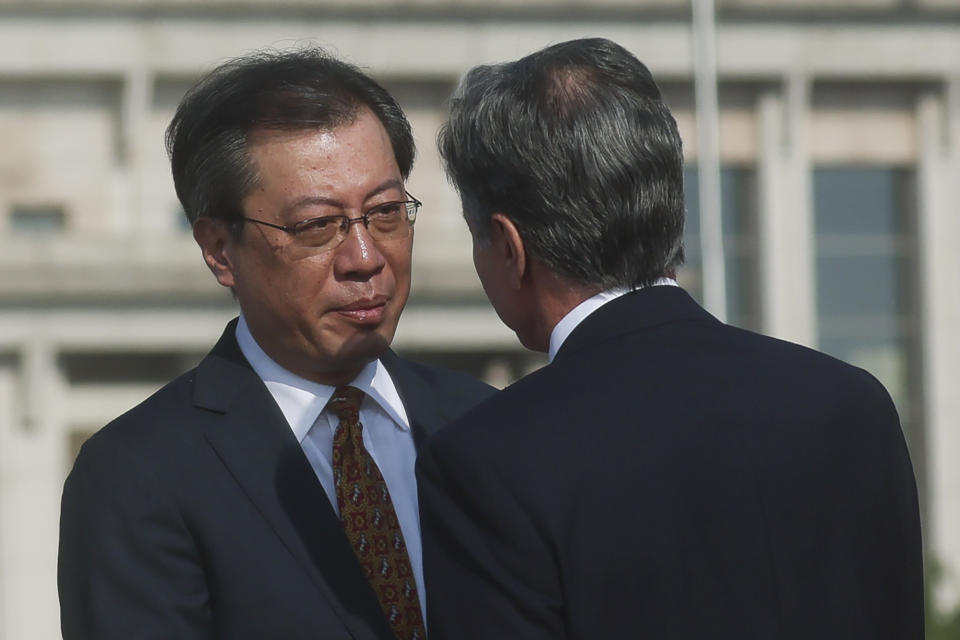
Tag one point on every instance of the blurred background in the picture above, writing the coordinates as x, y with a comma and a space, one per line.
834, 130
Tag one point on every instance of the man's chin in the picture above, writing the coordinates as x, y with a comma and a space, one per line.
364, 346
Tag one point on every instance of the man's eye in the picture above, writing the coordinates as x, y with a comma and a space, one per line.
319, 224
389, 209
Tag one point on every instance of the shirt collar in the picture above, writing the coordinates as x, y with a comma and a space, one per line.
302, 400
575, 316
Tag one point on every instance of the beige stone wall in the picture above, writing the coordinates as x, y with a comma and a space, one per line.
526, 5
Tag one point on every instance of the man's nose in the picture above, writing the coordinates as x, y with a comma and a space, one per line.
358, 256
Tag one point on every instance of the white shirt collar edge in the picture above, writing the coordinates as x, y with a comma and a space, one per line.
301, 401
562, 330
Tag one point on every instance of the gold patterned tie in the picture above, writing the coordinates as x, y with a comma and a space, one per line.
370, 520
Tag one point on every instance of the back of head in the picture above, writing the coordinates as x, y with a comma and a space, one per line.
575, 144
293, 90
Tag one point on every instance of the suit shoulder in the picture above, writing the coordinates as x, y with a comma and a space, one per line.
151, 425
830, 370
719, 366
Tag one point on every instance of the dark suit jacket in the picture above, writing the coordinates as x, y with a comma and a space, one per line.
197, 515
668, 476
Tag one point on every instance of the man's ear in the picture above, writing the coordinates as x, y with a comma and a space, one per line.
505, 233
215, 240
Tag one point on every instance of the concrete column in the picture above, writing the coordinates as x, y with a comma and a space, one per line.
939, 266
7, 552
785, 224
137, 96
32, 464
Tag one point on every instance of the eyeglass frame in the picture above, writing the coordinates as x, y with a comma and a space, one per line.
293, 230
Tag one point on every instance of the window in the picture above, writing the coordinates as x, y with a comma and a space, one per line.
182, 222
739, 242
125, 367
865, 258
37, 218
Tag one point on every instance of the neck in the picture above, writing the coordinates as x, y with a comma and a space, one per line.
554, 296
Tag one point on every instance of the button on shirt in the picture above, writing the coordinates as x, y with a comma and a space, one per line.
386, 434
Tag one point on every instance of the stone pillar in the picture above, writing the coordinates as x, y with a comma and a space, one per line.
32, 463
7, 551
137, 96
938, 230
787, 249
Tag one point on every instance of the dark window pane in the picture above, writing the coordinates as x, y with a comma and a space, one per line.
691, 195
737, 212
859, 200
864, 252
183, 223
736, 205
37, 218
741, 290
859, 285
97, 367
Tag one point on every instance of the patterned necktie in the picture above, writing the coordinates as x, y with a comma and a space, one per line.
370, 521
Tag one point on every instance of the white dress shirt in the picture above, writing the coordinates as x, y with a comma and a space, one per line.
575, 316
386, 434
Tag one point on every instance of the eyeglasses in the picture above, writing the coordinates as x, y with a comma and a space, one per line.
387, 221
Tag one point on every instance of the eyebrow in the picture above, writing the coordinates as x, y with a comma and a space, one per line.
307, 201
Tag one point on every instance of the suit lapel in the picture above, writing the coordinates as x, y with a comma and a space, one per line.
252, 438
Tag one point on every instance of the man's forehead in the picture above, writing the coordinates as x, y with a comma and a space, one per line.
316, 138
325, 167
262, 137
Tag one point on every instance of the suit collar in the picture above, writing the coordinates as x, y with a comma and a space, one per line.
418, 397
223, 375
303, 400
634, 311
251, 437
576, 315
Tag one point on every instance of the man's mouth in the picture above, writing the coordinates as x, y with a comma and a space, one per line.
368, 311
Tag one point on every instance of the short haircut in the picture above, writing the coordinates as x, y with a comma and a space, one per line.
575, 144
293, 90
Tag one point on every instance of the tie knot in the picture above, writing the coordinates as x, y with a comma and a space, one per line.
345, 403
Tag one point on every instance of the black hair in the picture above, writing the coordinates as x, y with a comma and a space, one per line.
575, 144
292, 90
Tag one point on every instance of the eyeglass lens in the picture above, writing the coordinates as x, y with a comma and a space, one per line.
385, 222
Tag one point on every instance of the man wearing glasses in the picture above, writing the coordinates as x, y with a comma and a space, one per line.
269, 493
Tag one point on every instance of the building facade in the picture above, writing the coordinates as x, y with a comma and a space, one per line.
839, 126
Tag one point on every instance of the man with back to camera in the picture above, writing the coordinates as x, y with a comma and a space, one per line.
666, 475
270, 492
